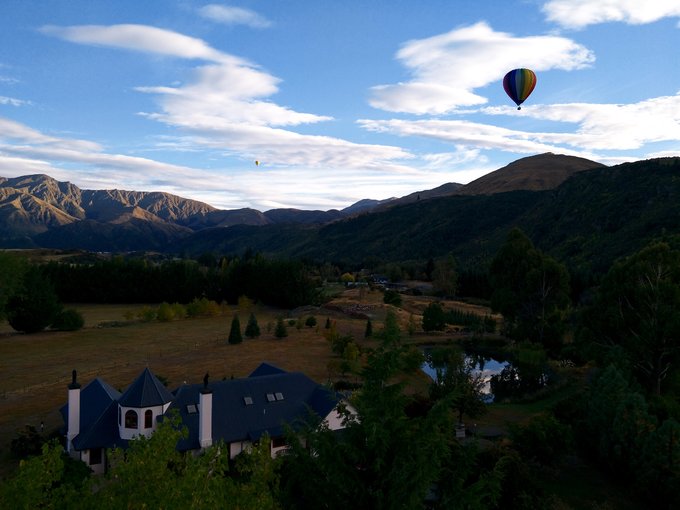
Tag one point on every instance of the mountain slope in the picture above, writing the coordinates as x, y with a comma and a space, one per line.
590, 220
534, 173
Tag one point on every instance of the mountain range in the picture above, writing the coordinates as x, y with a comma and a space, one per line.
578, 210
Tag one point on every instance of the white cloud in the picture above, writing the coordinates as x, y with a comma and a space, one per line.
600, 127
139, 38
447, 68
611, 126
230, 15
225, 105
14, 131
13, 102
581, 13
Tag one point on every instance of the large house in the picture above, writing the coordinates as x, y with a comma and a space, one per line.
237, 412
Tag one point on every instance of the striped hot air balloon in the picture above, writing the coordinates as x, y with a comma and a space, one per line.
518, 84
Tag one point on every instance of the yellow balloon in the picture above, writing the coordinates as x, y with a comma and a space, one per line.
257, 163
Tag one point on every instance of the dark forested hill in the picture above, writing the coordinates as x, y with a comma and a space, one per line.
587, 222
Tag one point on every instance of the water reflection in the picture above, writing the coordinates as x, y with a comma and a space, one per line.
483, 367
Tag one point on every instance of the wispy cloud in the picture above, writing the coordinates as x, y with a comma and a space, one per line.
581, 13
138, 38
600, 127
447, 69
230, 15
225, 106
13, 101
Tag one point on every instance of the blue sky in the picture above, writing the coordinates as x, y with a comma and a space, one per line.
338, 101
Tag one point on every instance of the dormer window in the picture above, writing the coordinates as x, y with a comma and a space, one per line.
248, 401
271, 397
191, 409
131, 419
278, 395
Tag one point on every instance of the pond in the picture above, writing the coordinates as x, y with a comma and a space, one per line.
484, 367
501, 378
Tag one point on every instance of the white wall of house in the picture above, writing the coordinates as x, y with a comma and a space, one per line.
87, 458
141, 429
334, 419
237, 447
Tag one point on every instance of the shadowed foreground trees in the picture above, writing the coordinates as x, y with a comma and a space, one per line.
150, 474
636, 316
531, 290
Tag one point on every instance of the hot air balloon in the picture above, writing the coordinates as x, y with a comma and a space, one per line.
257, 163
518, 84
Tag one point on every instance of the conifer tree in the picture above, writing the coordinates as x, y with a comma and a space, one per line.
252, 328
280, 331
235, 336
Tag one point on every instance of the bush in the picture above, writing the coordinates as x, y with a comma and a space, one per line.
69, 320
165, 313
392, 297
311, 321
434, 318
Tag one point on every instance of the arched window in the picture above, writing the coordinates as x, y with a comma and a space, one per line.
148, 419
131, 419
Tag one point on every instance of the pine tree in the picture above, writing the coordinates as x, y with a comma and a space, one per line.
369, 329
252, 328
280, 331
235, 332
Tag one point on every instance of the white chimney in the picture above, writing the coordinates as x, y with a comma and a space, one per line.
73, 426
205, 415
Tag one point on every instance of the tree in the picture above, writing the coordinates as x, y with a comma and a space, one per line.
12, 269
531, 290
385, 458
369, 329
235, 331
280, 331
457, 381
252, 328
35, 305
434, 317
445, 277
636, 314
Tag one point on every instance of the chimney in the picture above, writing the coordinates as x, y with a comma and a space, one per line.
73, 426
205, 415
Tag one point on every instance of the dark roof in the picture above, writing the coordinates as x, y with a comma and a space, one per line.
98, 416
266, 369
277, 399
145, 391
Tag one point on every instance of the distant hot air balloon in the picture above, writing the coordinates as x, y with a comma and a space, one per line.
257, 163
518, 84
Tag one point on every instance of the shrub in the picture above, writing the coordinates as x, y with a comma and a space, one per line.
147, 313
165, 312
311, 321
392, 297
69, 320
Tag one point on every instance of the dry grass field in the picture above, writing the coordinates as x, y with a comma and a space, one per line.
37, 368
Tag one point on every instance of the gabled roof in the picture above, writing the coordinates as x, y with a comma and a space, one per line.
98, 423
266, 369
277, 399
145, 391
